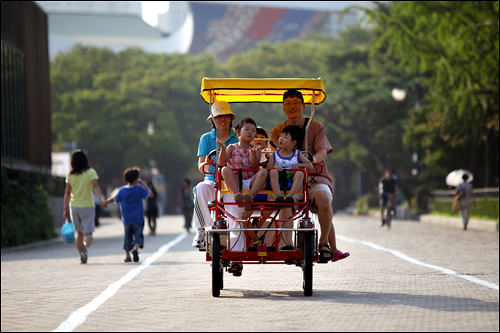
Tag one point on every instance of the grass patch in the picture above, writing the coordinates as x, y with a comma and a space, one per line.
484, 209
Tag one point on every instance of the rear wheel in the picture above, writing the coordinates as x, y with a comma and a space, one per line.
217, 271
307, 266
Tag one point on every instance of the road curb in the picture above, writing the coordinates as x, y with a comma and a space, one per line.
456, 222
35, 245
450, 221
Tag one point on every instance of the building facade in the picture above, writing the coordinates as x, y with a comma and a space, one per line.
26, 130
218, 29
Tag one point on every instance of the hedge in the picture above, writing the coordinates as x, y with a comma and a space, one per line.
482, 209
26, 216
367, 201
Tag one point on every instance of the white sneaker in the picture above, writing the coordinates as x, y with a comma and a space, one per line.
199, 238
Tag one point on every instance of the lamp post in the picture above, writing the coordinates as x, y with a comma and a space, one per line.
151, 128
398, 94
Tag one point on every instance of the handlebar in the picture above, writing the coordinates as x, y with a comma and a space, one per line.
316, 165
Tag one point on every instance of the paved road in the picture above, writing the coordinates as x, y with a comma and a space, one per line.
375, 289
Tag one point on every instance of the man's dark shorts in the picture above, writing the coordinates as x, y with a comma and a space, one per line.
384, 197
285, 180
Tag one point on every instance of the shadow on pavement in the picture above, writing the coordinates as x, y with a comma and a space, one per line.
431, 302
102, 246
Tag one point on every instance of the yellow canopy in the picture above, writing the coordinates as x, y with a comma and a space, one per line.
237, 90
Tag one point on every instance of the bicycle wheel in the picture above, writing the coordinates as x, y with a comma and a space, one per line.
389, 217
307, 265
217, 271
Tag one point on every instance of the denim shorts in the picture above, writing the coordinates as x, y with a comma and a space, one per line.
260, 198
285, 184
133, 235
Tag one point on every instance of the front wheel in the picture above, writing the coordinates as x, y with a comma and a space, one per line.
217, 271
388, 217
307, 266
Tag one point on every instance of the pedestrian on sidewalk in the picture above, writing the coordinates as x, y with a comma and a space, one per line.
186, 198
464, 194
152, 209
132, 211
79, 202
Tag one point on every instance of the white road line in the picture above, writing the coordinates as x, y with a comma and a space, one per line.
420, 263
78, 317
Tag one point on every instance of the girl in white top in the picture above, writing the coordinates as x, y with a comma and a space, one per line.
288, 157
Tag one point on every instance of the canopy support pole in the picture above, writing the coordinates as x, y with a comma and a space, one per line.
306, 136
216, 145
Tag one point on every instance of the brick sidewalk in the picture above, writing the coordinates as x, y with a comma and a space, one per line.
369, 291
456, 222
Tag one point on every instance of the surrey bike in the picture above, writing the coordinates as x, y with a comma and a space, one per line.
229, 239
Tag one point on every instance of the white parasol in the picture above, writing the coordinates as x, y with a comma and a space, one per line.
455, 177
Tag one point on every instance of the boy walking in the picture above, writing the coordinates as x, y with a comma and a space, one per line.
132, 211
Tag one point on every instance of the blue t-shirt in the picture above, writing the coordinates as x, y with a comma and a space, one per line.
130, 198
208, 143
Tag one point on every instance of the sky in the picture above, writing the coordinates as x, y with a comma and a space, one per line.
150, 9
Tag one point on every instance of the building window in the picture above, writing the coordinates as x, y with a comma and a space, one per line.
14, 113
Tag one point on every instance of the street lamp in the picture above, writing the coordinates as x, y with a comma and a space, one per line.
151, 128
398, 94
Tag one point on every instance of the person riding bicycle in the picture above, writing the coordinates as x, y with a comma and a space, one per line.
388, 190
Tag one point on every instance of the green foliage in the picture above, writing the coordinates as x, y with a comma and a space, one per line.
26, 216
104, 101
422, 197
366, 202
294, 58
482, 209
366, 122
359, 113
454, 47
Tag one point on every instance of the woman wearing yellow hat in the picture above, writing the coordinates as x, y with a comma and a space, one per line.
221, 118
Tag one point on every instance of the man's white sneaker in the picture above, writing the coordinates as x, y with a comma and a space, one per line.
199, 238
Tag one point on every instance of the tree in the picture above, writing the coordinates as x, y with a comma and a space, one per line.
364, 123
368, 123
454, 46
105, 101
